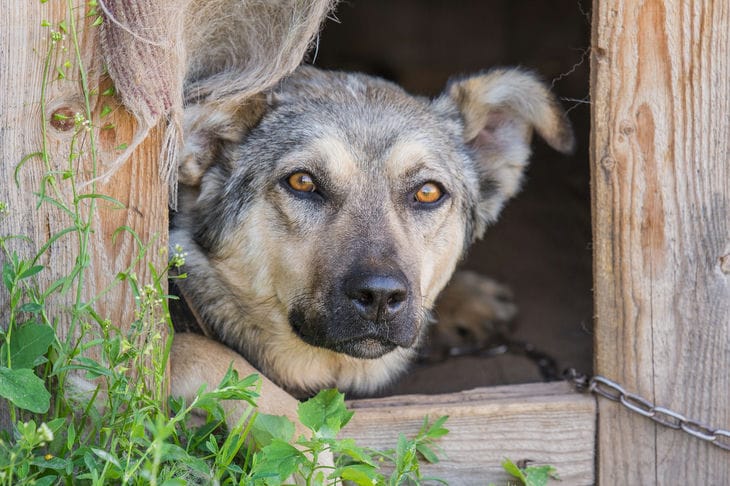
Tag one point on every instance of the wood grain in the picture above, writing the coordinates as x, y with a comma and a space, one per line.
661, 215
24, 46
546, 423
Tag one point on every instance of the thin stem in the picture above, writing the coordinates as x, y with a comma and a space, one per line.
86, 229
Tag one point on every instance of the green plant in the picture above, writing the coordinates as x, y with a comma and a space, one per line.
89, 404
530, 475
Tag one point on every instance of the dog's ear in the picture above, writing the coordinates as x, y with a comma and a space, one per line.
499, 111
208, 126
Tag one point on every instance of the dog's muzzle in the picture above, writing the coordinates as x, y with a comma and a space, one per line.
368, 316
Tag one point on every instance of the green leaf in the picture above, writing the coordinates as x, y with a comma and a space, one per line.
197, 464
513, 470
539, 475
57, 463
436, 429
106, 456
360, 474
212, 444
427, 453
349, 448
174, 482
24, 389
70, 436
28, 343
45, 480
325, 413
92, 368
269, 427
106, 109
401, 448
530, 475
32, 307
56, 424
279, 459
31, 271
8, 276
16, 172
116, 203
172, 452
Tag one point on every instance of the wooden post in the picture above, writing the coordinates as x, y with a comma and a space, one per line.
137, 185
661, 207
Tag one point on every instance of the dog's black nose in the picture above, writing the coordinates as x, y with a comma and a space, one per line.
377, 297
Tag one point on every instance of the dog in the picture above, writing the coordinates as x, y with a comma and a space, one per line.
323, 217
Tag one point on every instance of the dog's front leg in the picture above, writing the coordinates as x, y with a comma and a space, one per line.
470, 311
196, 360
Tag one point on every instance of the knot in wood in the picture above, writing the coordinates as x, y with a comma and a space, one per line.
725, 263
627, 128
62, 119
608, 162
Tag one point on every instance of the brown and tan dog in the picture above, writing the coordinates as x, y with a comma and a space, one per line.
323, 217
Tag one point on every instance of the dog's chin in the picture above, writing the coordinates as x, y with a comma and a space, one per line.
368, 346
364, 348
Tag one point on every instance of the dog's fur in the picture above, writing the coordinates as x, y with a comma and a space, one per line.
334, 288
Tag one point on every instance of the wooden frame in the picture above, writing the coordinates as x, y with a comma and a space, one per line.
660, 90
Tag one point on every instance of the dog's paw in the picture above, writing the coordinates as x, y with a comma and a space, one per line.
471, 309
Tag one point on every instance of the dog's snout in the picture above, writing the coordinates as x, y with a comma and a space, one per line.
377, 297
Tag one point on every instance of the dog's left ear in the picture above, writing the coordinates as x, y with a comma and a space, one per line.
499, 111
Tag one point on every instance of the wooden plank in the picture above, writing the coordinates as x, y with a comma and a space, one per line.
661, 214
547, 423
24, 46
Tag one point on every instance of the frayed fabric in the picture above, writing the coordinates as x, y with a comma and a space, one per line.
159, 52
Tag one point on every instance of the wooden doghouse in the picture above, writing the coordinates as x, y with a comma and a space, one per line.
660, 93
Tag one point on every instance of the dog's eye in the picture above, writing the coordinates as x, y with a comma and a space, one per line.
302, 182
429, 193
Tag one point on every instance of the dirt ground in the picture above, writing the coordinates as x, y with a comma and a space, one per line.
541, 247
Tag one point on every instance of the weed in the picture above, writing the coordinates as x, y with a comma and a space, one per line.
530, 475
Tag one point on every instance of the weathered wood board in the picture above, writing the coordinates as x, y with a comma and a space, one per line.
547, 423
661, 208
24, 45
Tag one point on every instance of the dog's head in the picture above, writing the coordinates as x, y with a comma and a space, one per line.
334, 208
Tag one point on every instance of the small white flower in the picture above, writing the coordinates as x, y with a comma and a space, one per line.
45, 433
178, 258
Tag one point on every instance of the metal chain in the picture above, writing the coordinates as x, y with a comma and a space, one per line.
499, 344
599, 385
613, 391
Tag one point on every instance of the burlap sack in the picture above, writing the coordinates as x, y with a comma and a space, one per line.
157, 51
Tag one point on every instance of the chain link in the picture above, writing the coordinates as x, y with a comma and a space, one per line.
613, 391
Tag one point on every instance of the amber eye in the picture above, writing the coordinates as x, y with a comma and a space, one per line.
430, 192
302, 182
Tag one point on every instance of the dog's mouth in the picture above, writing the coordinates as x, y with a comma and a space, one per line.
368, 345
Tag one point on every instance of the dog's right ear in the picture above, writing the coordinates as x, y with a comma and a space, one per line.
208, 126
